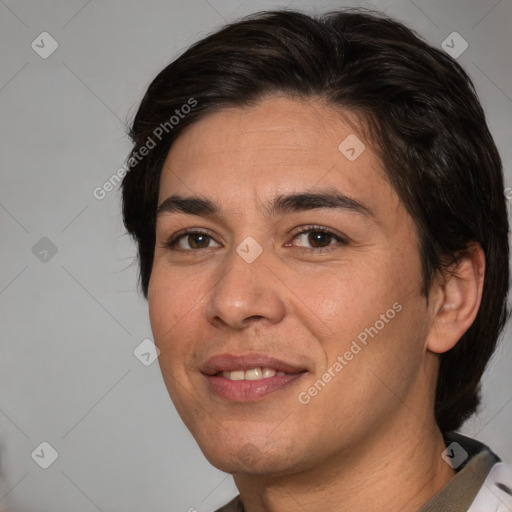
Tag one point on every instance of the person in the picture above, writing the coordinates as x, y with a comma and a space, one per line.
322, 233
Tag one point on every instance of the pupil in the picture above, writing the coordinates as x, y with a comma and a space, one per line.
319, 238
195, 238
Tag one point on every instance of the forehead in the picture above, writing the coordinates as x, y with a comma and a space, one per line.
279, 146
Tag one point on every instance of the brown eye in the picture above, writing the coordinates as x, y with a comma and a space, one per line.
198, 241
191, 240
317, 238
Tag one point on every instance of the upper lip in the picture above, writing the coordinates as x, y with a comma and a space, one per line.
233, 362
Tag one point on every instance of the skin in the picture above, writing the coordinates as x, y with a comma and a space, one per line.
368, 440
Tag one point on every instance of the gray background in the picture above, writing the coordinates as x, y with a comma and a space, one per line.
71, 320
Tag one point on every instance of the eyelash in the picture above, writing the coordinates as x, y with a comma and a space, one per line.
174, 240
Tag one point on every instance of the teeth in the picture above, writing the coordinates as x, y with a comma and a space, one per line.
268, 372
251, 374
254, 374
236, 375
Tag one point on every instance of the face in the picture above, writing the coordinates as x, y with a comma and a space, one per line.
285, 295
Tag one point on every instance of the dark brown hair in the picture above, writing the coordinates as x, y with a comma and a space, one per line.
420, 111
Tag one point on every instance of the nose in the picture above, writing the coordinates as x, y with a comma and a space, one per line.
245, 293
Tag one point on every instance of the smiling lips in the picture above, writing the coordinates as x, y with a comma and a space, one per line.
249, 377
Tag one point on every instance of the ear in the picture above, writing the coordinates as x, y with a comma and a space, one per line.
455, 298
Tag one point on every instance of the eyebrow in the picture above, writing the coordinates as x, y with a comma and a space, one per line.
280, 205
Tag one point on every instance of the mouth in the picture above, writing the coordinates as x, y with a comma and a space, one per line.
250, 377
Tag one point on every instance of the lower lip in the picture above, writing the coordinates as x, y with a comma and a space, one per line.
250, 390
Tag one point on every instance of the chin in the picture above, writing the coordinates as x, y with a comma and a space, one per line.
246, 456
249, 461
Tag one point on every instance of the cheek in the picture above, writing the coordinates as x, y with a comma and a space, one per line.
173, 308
343, 301
370, 366
378, 305
386, 349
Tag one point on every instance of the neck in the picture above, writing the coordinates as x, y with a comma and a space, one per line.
400, 469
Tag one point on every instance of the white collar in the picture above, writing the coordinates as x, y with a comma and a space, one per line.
494, 494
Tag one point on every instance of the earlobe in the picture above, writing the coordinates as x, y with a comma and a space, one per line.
459, 294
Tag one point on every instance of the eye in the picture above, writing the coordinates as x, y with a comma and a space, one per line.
190, 240
317, 237
309, 237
